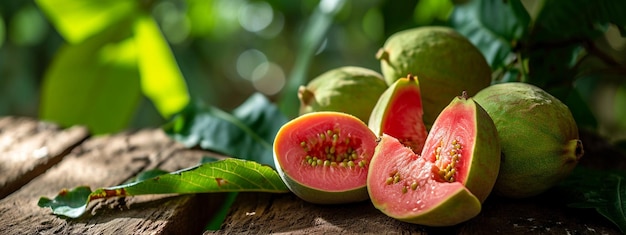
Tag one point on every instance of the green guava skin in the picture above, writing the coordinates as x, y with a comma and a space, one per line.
319, 196
349, 89
539, 138
445, 62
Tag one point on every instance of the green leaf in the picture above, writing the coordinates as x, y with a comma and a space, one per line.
79, 20
602, 190
144, 175
618, 106
577, 19
230, 175
161, 79
493, 26
553, 65
94, 83
70, 203
428, 11
248, 133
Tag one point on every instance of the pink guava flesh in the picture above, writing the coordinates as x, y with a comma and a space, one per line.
419, 188
452, 135
398, 113
409, 104
323, 137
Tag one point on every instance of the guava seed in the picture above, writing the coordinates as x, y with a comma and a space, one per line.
449, 158
329, 149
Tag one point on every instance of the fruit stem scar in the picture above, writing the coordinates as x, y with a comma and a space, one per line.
411, 77
381, 54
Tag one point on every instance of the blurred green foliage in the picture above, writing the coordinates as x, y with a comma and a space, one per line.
137, 55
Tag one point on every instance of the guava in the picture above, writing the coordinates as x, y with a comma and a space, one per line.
540, 144
350, 89
323, 157
445, 184
444, 60
398, 113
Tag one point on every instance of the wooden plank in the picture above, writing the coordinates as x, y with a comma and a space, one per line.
107, 161
28, 148
255, 213
263, 213
544, 214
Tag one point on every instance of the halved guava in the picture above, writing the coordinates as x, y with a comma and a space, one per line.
323, 157
454, 174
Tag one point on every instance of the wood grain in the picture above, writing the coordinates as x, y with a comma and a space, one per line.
107, 161
285, 213
28, 148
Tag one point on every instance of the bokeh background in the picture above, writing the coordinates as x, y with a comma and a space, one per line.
227, 50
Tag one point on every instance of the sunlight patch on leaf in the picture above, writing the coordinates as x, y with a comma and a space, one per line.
93, 83
161, 79
79, 20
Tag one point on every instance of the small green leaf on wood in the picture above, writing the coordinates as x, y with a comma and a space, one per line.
70, 203
229, 175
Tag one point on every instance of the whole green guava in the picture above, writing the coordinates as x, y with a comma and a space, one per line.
445, 62
350, 89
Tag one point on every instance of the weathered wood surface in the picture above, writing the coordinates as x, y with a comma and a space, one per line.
266, 213
100, 162
544, 214
72, 158
28, 148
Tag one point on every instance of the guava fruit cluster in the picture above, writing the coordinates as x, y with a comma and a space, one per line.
428, 140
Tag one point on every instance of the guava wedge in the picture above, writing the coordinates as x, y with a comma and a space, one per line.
445, 184
398, 113
405, 186
323, 157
